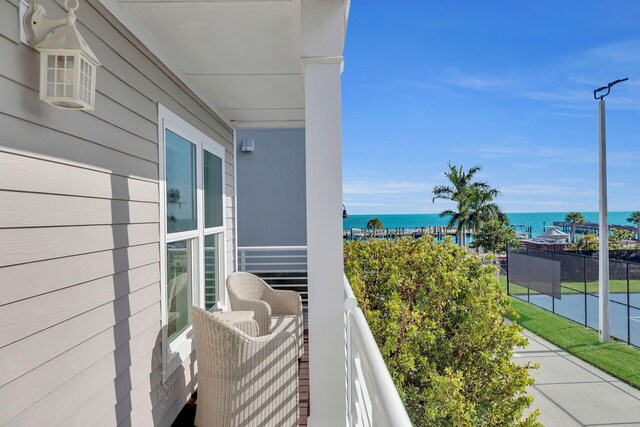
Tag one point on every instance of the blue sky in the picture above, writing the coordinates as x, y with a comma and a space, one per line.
507, 85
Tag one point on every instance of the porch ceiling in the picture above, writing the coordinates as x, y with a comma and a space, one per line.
242, 55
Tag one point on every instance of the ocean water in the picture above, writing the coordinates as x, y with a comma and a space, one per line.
537, 220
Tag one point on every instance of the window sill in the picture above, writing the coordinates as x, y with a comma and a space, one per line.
179, 350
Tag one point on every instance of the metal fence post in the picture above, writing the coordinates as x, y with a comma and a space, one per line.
507, 251
628, 309
553, 298
528, 283
584, 273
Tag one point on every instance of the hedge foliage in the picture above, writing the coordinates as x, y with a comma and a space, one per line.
437, 315
495, 236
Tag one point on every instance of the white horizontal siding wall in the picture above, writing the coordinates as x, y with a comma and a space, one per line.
80, 308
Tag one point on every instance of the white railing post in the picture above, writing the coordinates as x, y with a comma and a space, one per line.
350, 303
243, 261
376, 401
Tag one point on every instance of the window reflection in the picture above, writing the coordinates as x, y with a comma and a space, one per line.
181, 183
179, 277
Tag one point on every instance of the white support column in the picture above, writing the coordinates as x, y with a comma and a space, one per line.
323, 143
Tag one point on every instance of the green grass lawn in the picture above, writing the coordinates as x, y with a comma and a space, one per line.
620, 360
578, 287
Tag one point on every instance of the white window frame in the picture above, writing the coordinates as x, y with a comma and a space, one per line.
174, 353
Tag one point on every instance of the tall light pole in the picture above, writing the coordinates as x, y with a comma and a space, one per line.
604, 315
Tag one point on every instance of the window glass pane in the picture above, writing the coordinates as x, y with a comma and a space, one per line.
212, 190
179, 279
211, 264
181, 183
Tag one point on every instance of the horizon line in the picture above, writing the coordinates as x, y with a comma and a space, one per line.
510, 212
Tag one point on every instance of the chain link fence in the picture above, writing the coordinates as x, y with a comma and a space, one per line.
567, 284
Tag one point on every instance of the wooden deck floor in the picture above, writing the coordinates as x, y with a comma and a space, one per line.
188, 414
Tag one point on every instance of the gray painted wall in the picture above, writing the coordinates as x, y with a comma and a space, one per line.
271, 188
80, 309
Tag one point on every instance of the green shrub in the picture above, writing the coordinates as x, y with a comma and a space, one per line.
494, 236
436, 313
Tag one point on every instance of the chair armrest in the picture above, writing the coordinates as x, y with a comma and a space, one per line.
283, 302
261, 312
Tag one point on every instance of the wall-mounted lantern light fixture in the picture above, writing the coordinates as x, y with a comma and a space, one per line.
67, 64
344, 212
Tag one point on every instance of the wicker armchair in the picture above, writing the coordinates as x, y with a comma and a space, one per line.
274, 310
244, 380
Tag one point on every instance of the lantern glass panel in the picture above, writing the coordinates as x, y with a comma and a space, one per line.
86, 80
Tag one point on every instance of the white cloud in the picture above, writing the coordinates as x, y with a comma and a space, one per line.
452, 78
531, 205
617, 184
561, 95
548, 190
624, 52
478, 83
389, 187
532, 152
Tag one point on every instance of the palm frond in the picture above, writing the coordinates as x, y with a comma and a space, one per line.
442, 192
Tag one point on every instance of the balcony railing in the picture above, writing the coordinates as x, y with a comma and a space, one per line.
282, 267
372, 398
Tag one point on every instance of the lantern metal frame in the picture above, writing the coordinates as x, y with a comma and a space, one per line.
68, 66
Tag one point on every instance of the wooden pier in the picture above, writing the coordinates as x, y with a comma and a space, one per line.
592, 227
439, 232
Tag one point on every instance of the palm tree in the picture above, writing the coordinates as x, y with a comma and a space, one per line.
173, 198
473, 200
374, 223
482, 207
574, 218
635, 219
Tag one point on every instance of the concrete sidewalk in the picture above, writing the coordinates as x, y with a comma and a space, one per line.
569, 392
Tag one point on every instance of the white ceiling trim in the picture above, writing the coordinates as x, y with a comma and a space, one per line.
265, 114
208, 3
149, 41
290, 124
